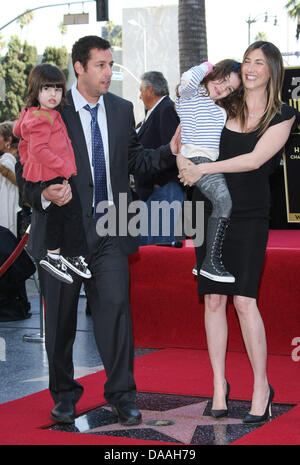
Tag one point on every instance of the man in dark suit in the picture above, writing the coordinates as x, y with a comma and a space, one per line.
107, 290
157, 129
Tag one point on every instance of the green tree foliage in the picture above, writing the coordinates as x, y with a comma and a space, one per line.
15, 67
2, 42
14, 70
63, 29
26, 18
58, 57
112, 33
293, 7
261, 36
29, 57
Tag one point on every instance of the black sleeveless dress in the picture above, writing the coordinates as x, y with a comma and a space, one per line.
247, 233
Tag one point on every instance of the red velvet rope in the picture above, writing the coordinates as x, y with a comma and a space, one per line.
18, 250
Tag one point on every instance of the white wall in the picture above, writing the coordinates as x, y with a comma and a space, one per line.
160, 24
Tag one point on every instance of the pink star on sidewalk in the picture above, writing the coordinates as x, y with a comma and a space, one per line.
180, 423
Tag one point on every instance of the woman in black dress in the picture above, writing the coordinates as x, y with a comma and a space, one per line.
259, 132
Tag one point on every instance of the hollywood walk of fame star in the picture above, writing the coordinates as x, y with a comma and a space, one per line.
171, 418
181, 422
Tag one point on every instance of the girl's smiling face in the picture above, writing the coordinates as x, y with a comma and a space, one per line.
221, 88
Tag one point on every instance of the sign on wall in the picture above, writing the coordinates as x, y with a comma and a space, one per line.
291, 156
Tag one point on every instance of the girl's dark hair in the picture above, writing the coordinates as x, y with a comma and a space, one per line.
220, 71
6, 131
41, 76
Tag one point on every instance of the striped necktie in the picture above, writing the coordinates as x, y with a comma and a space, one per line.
98, 160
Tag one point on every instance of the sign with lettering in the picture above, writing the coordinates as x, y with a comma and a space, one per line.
291, 156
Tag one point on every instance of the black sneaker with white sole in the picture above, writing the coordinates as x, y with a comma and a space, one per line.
78, 265
212, 266
56, 268
222, 276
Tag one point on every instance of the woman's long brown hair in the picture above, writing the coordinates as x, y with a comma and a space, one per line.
274, 86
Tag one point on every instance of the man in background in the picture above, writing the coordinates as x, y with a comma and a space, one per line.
157, 129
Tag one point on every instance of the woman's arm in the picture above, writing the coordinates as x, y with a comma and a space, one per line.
268, 145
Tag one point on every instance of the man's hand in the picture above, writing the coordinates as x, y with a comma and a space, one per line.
60, 194
182, 162
175, 143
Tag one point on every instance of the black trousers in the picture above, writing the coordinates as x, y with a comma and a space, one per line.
64, 225
108, 298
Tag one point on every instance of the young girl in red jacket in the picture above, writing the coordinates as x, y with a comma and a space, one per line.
47, 157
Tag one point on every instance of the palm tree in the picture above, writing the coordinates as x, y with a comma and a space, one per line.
261, 36
25, 19
112, 33
191, 33
2, 42
293, 7
63, 30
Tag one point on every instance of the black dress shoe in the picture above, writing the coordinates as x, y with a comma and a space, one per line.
126, 412
64, 411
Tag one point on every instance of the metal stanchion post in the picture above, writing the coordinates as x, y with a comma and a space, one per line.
40, 336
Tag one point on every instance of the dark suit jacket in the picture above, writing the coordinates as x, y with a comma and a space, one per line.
157, 130
126, 156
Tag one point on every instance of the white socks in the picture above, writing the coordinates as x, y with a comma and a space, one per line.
55, 256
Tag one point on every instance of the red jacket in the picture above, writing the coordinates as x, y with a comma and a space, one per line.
45, 149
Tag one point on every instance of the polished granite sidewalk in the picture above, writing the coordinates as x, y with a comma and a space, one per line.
23, 362
24, 366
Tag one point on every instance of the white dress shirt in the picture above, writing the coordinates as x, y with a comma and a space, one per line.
85, 118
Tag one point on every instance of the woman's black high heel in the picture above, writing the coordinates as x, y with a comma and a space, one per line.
252, 419
224, 412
